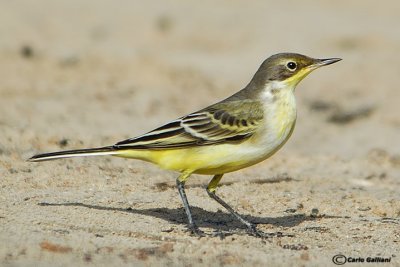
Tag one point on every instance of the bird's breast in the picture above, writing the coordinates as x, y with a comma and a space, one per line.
279, 121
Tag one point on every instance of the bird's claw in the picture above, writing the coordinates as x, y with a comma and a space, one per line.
253, 231
221, 234
195, 231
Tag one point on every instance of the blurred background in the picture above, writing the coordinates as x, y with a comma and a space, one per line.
95, 72
77, 74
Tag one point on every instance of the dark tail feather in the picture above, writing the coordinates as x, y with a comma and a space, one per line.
101, 151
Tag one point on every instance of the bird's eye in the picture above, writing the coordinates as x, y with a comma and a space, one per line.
291, 65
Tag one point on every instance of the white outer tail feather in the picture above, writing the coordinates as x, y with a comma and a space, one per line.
103, 151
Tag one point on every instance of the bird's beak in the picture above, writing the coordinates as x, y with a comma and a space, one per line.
316, 63
324, 62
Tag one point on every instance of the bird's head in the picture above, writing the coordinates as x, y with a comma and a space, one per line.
286, 70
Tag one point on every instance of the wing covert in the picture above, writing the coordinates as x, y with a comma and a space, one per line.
212, 125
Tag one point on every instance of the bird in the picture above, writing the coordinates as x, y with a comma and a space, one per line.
237, 132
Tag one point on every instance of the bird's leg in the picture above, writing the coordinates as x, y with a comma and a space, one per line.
212, 186
180, 182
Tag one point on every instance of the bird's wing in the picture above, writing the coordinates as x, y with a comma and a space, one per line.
213, 125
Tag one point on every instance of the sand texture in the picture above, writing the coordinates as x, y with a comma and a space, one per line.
77, 74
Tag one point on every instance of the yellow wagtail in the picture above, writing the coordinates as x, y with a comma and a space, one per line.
242, 130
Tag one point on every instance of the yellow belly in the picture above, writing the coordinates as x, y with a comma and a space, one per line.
213, 159
216, 159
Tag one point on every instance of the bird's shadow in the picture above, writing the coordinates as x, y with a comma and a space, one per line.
215, 220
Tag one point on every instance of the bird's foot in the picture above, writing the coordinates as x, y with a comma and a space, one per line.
221, 234
195, 231
253, 231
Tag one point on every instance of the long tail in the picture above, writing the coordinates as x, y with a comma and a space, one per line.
101, 151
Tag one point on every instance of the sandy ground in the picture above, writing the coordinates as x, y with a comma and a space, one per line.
77, 74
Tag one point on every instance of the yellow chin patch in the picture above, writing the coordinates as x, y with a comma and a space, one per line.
300, 75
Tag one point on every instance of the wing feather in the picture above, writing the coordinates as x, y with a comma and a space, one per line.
212, 125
